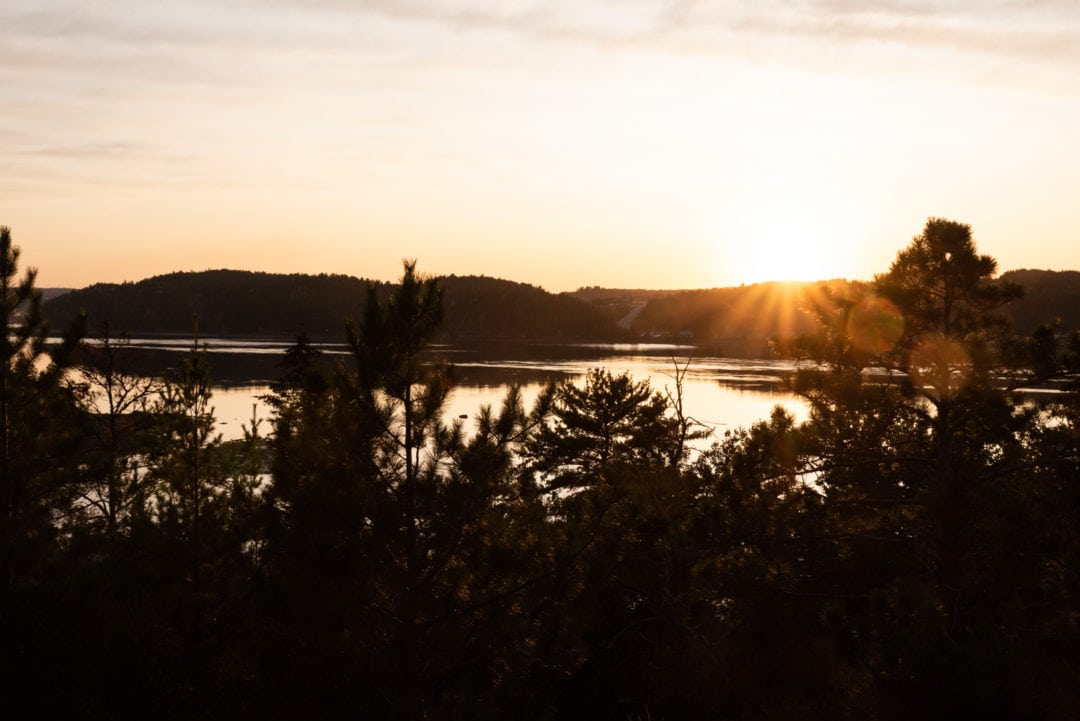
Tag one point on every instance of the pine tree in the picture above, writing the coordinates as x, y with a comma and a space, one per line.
38, 473
932, 487
407, 569
34, 407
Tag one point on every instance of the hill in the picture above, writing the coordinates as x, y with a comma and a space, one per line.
741, 320
1048, 295
235, 302
490, 307
738, 321
49, 293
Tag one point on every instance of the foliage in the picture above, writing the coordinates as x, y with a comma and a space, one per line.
909, 551
927, 481
405, 561
610, 419
119, 426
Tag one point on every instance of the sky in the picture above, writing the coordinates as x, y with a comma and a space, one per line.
620, 143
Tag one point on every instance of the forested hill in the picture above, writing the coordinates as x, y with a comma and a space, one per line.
740, 320
234, 302
482, 306
1048, 295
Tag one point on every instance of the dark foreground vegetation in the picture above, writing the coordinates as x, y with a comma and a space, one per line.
911, 552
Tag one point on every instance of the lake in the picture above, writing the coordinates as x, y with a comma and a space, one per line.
721, 393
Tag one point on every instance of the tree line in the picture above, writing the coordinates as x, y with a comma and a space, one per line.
910, 551
250, 303
737, 321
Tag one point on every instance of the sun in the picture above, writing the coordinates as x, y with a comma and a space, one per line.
788, 236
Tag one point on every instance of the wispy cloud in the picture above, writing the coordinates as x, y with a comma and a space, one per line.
165, 38
99, 84
1031, 46
1046, 29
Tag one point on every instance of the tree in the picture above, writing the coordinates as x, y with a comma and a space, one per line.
201, 523
119, 419
397, 392
929, 484
38, 468
33, 406
406, 562
953, 324
612, 464
609, 419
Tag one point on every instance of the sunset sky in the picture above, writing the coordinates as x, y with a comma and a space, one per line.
623, 143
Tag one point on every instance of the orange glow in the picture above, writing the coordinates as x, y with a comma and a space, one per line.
781, 308
874, 325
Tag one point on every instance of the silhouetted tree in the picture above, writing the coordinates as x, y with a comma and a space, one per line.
38, 468
952, 309
191, 550
609, 419
925, 475
120, 418
33, 410
909, 550
406, 563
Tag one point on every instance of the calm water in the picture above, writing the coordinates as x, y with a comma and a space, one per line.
722, 393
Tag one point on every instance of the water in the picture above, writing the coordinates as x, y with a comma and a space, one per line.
721, 393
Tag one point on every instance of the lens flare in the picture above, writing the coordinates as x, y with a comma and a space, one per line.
875, 325
939, 362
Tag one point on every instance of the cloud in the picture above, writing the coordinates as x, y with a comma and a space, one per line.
1045, 33
87, 150
98, 83
990, 30
665, 22
1030, 45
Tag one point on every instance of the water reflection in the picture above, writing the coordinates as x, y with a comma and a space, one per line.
722, 393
